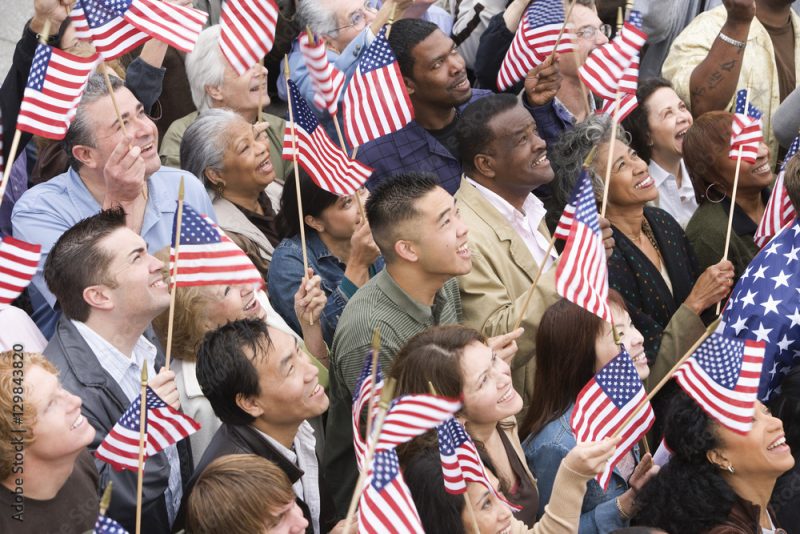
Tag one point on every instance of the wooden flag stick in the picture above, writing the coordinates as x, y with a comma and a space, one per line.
610, 155
174, 275
620, 18
114, 101
259, 111
390, 22
532, 288
105, 501
376, 348
561, 31
386, 397
142, 427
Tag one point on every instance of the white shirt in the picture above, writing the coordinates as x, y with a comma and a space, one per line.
678, 202
525, 223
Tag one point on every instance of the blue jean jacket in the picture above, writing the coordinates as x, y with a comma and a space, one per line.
286, 271
544, 452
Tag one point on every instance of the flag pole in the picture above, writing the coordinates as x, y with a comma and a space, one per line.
142, 430
561, 31
610, 155
105, 501
620, 20
390, 21
114, 100
376, 347
386, 397
174, 274
259, 112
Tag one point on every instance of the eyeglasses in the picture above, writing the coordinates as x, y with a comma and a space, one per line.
588, 32
358, 19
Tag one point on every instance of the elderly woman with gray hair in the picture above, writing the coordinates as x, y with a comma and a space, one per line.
234, 160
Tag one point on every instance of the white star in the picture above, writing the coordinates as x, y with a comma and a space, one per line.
773, 248
748, 299
770, 305
795, 317
796, 229
781, 280
760, 273
762, 333
774, 369
784, 343
739, 325
792, 254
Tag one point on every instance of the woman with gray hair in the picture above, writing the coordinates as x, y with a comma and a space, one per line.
233, 159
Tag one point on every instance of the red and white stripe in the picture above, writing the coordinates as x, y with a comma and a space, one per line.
746, 137
178, 26
529, 49
389, 511
604, 68
328, 80
112, 39
248, 31
412, 415
778, 213
18, 264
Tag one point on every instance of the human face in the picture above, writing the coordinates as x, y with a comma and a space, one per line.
289, 382
581, 19
631, 184
231, 303
520, 155
60, 430
753, 177
492, 516
246, 165
439, 74
108, 133
668, 120
606, 349
340, 219
352, 16
289, 520
242, 93
489, 395
440, 244
759, 454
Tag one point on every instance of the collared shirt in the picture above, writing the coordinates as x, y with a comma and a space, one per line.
525, 223
303, 455
126, 371
680, 201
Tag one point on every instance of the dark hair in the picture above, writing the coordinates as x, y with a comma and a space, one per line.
636, 123
406, 34
564, 363
689, 494
76, 261
393, 202
786, 407
706, 142
472, 131
791, 180
637, 530
315, 200
226, 369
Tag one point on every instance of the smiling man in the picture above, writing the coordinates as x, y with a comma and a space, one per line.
107, 168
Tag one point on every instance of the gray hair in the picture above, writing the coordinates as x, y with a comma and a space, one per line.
205, 66
203, 143
320, 18
80, 131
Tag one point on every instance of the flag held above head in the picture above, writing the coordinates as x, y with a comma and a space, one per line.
746, 134
328, 80
99, 22
175, 25
248, 32
18, 263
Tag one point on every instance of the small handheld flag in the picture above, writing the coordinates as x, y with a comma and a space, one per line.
18, 263
328, 80
247, 31
746, 135
100, 23
779, 211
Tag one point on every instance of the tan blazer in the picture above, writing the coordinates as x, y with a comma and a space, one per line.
493, 293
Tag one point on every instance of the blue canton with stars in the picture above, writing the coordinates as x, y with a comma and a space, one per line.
106, 525
636, 18
446, 445
39, 67
195, 230
765, 306
741, 98
792, 151
301, 113
100, 12
721, 358
545, 12
378, 55
582, 198
130, 419
385, 468
619, 380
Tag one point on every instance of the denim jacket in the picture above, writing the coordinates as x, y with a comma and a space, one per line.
286, 271
544, 452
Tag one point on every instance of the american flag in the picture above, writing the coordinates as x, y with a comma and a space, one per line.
779, 210
604, 405
628, 85
582, 272
207, 256
386, 505
534, 41
18, 263
361, 400
764, 306
746, 129
329, 167
248, 31
412, 415
606, 65
722, 377
55, 86
328, 80
376, 102
175, 25
98, 21
106, 525
163, 426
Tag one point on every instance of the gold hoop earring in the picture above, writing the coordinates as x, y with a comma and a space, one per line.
708, 196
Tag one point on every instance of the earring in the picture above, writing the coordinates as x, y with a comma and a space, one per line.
730, 469
219, 188
708, 196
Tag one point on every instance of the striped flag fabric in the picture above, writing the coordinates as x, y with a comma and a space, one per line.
328, 80
746, 135
376, 102
54, 89
365, 390
106, 525
722, 376
163, 426
604, 405
175, 25
97, 21
412, 415
779, 211
534, 40
386, 505
628, 85
582, 272
248, 31
18, 263
207, 256
329, 167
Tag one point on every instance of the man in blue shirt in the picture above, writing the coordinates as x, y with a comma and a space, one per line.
108, 167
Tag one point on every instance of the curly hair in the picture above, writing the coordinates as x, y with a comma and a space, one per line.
689, 494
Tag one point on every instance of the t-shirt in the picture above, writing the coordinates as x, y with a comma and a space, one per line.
447, 137
783, 44
73, 510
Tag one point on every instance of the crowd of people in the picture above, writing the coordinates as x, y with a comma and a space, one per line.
437, 253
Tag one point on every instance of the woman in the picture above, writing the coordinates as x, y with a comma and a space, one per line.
717, 481
786, 407
232, 158
705, 151
652, 265
456, 362
658, 127
339, 246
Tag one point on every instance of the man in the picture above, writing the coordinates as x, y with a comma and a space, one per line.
435, 77
110, 289
264, 389
107, 168
419, 231
47, 477
751, 44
